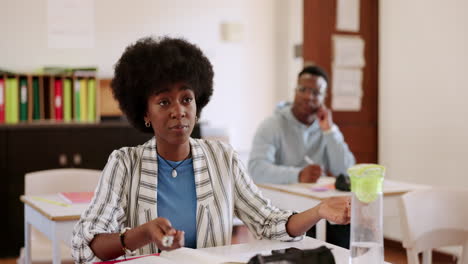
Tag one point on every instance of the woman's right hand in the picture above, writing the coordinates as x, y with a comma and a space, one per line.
160, 227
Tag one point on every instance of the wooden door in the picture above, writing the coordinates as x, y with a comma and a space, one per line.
359, 128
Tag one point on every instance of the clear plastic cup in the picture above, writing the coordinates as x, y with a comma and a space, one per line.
366, 243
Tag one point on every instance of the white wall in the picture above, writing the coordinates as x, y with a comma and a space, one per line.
245, 82
423, 113
289, 32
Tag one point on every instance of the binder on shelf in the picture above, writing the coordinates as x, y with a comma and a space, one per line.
36, 99
29, 98
77, 100
91, 100
2, 100
23, 99
85, 72
58, 98
69, 71
67, 100
84, 100
42, 97
12, 101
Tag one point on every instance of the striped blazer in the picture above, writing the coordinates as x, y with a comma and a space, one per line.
126, 196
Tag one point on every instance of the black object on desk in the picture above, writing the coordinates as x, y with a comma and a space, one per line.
343, 183
320, 255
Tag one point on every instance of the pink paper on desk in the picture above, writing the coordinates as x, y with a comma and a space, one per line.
323, 188
122, 260
77, 197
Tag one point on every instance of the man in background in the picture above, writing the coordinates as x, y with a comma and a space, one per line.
300, 143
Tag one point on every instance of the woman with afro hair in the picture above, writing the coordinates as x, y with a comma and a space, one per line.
173, 190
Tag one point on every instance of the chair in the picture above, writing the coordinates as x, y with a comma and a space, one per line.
54, 181
434, 218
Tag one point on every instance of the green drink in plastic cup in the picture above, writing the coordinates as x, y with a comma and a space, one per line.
366, 181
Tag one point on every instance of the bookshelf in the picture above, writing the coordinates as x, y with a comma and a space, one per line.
59, 98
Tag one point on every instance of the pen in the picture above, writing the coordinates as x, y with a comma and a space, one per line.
49, 201
308, 160
311, 162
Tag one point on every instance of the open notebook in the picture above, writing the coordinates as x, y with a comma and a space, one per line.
182, 256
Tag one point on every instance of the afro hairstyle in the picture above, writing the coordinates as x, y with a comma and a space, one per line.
148, 66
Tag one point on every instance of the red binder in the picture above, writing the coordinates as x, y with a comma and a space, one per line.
58, 100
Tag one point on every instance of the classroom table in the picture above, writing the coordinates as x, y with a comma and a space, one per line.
302, 196
239, 253
50, 215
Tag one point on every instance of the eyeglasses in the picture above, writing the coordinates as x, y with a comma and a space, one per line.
314, 92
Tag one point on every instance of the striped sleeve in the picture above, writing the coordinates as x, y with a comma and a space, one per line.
263, 219
106, 212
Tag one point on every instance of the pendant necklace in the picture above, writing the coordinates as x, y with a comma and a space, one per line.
174, 171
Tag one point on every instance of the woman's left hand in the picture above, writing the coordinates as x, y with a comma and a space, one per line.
336, 210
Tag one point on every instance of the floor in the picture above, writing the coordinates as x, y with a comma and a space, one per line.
393, 251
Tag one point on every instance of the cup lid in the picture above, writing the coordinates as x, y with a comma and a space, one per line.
366, 181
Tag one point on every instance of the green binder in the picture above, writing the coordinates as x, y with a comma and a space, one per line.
67, 100
23, 99
91, 100
36, 100
77, 100
84, 99
12, 101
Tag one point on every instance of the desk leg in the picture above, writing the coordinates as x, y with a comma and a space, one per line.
27, 238
55, 247
321, 230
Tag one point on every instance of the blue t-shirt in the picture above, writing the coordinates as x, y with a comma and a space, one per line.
177, 199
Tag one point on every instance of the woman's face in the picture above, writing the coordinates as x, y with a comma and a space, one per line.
172, 114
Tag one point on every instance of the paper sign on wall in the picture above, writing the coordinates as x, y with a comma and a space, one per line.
347, 15
348, 61
347, 89
348, 51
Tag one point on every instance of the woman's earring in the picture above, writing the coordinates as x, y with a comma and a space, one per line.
147, 124
196, 119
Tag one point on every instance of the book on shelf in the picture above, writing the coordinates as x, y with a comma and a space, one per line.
58, 92
2, 100
23, 99
32, 97
12, 101
83, 100
36, 99
91, 100
66, 70
77, 100
77, 197
67, 100
85, 72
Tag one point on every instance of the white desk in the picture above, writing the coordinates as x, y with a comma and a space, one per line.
55, 221
302, 196
240, 253
243, 252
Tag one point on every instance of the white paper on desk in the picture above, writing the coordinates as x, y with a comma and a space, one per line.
70, 23
190, 256
347, 15
150, 260
348, 51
